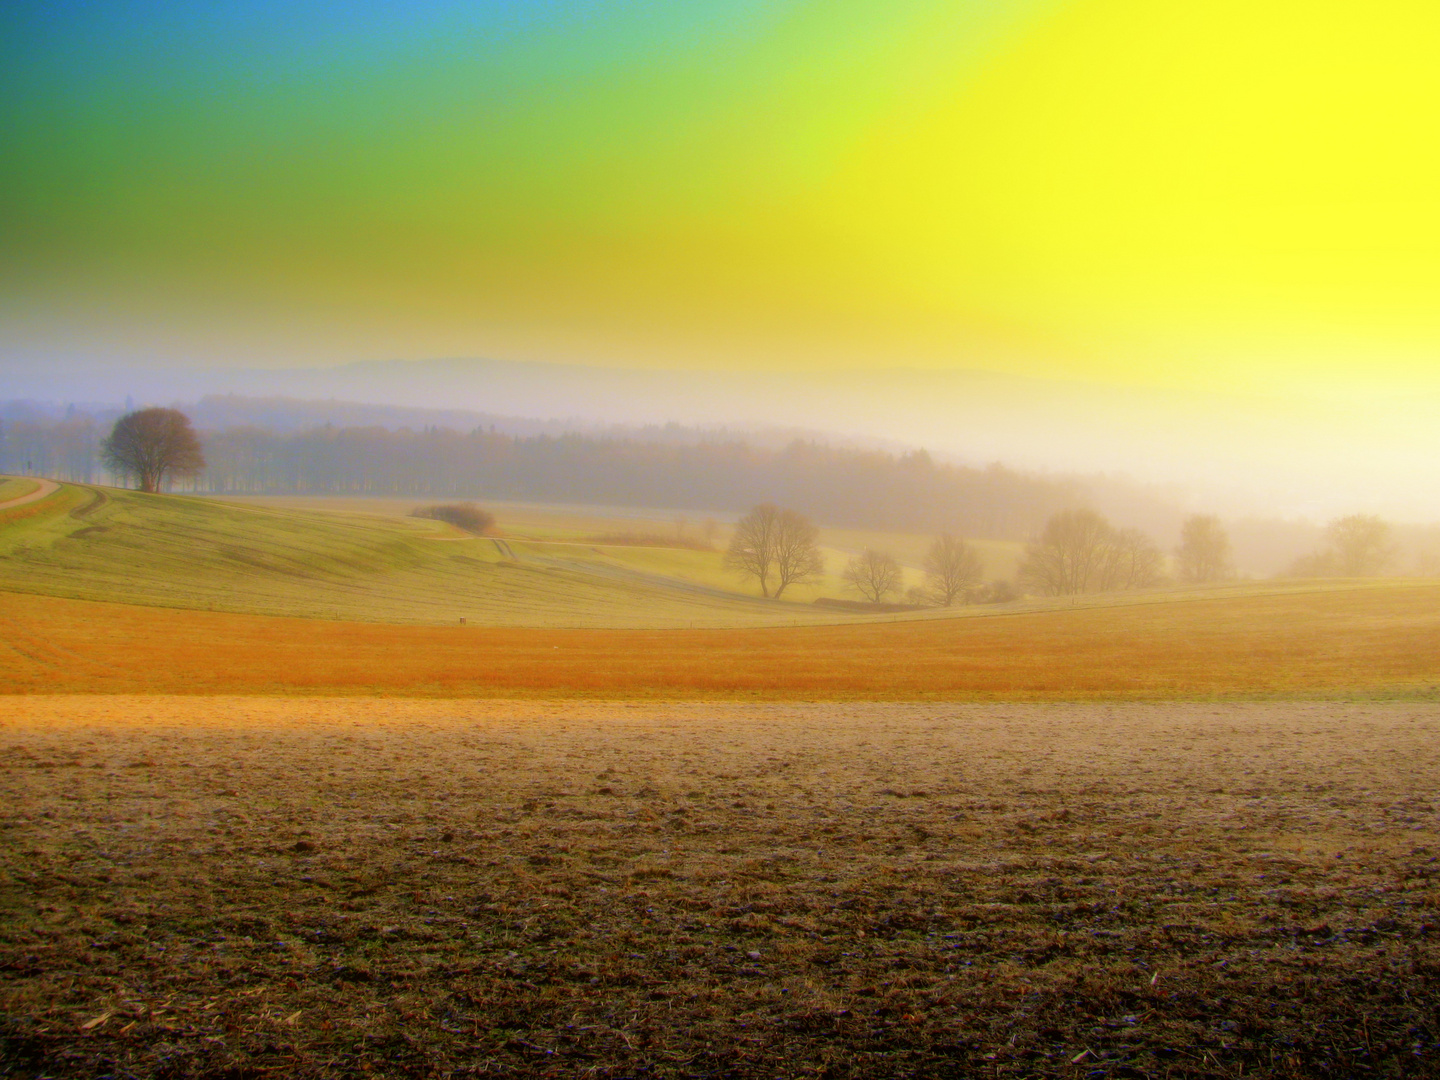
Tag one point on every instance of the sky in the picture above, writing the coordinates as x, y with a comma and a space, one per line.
1235, 196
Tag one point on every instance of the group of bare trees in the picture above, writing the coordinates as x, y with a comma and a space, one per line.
1079, 551
777, 547
1358, 545
953, 571
1204, 551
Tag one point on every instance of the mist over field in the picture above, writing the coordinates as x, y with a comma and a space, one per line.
1298, 458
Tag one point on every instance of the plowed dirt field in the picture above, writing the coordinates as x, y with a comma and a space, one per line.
238, 887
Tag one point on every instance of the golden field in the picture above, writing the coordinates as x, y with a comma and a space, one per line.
1376, 638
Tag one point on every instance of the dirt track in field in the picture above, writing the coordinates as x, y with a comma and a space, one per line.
45, 489
219, 886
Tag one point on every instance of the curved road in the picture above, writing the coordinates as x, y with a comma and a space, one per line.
47, 487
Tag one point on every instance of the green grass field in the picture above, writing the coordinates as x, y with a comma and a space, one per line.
362, 563
15, 487
567, 532
367, 560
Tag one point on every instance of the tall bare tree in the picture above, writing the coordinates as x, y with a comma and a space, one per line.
151, 444
1079, 551
775, 545
1204, 551
952, 569
1068, 557
797, 551
1131, 561
1362, 544
873, 574
752, 545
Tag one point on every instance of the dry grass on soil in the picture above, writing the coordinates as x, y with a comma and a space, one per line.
1366, 640
239, 887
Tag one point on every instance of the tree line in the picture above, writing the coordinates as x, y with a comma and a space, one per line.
843, 486
1077, 551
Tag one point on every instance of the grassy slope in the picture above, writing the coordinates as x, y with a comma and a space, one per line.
15, 487
174, 551
568, 531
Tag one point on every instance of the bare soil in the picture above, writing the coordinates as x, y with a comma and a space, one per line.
245, 887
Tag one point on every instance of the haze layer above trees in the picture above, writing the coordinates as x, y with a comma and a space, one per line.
675, 467
1287, 456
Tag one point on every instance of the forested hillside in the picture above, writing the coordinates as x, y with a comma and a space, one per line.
702, 471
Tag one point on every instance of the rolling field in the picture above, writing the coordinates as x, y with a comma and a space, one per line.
241, 843
242, 887
1377, 639
173, 551
569, 531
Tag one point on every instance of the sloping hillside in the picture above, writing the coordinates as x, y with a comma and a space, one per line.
175, 551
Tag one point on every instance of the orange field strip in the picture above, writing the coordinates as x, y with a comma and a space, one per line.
1364, 640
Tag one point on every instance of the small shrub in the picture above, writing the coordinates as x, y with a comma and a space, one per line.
999, 591
465, 516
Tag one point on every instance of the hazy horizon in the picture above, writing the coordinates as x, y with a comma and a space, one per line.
1231, 454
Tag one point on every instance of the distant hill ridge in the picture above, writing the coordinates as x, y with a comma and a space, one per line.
278, 446
283, 415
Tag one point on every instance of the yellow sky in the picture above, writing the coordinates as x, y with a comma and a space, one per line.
1224, 195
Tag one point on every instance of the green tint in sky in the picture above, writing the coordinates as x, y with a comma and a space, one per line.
1229, 194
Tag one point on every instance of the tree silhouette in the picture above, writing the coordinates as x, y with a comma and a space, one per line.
151, 444
873, 574
774, 544
1078, 551
1362, 544
952, 569
1204, 551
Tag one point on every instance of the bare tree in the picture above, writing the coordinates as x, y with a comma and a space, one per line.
1362, 544
1131, 561
1204, 551
1068, 557
752, 545
1079, 551
952, 569
151, 444
797, 551
873, 574
771, 544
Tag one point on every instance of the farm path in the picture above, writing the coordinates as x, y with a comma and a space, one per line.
47, 487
